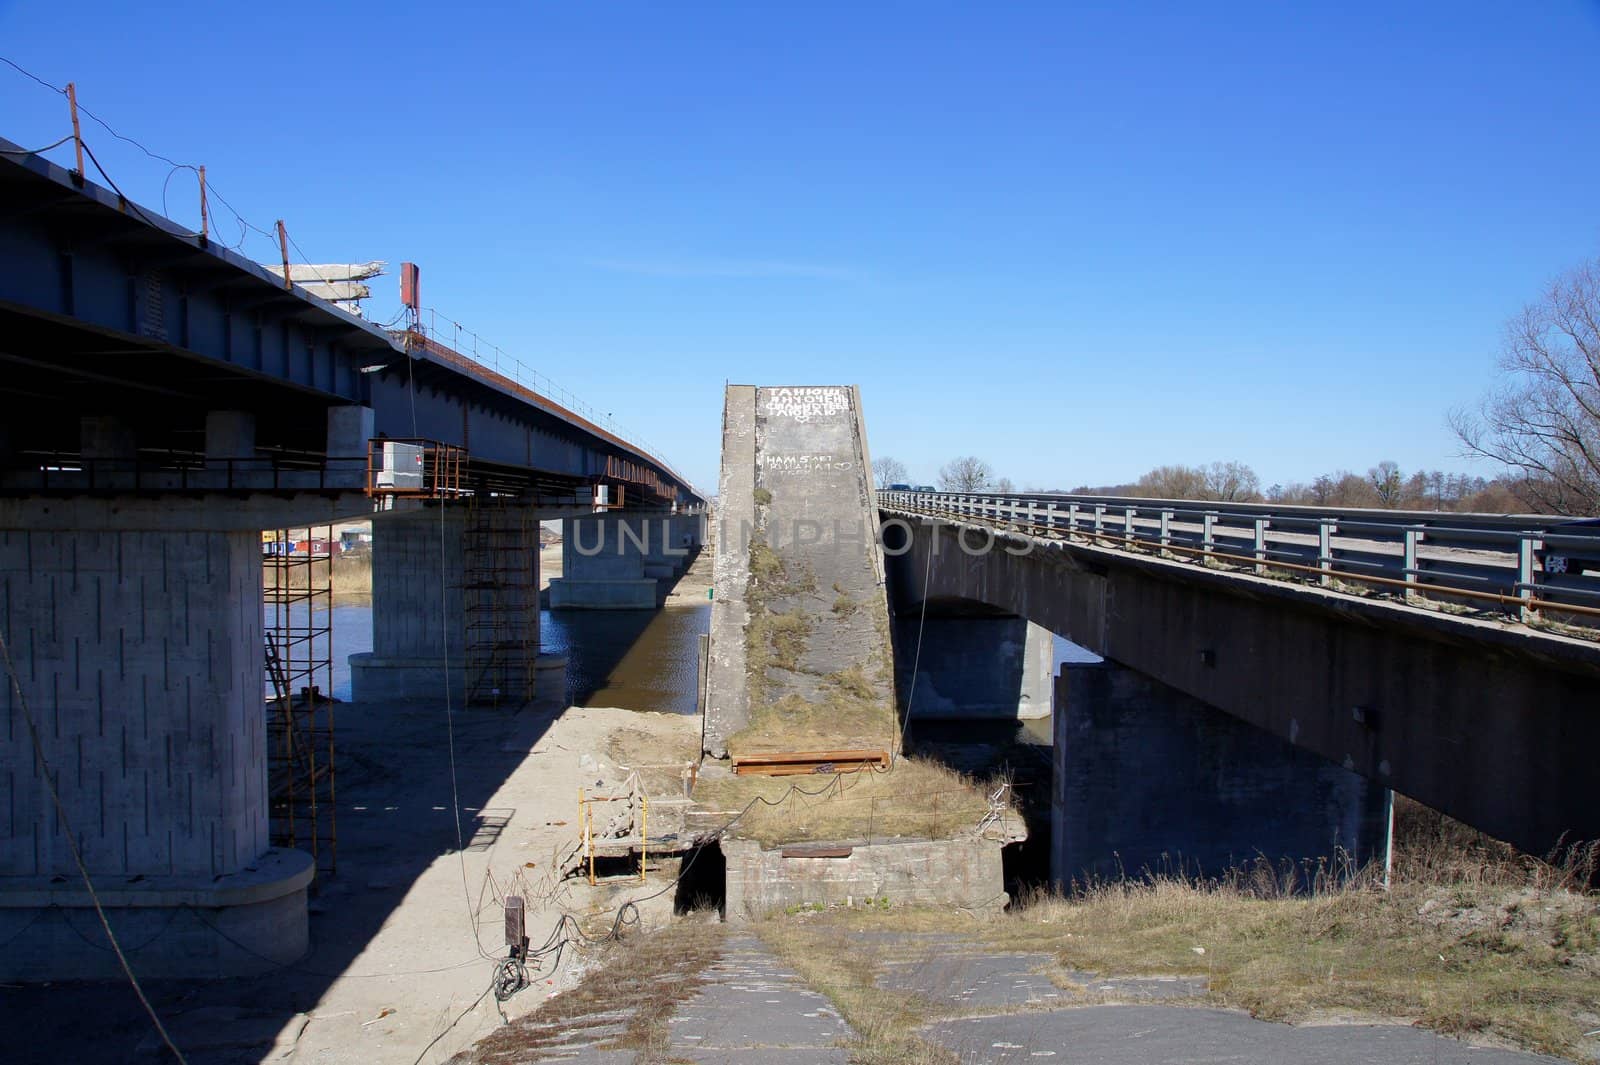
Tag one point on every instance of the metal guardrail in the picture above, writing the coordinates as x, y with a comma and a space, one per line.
1494, 560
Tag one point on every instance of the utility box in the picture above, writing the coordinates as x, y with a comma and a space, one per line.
401, 470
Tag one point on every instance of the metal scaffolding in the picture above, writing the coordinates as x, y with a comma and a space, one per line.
297, 591
501, 594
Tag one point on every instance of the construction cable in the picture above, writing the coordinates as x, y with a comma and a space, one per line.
77, 853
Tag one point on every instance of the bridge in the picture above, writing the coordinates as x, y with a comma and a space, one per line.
163, 401
1211, 615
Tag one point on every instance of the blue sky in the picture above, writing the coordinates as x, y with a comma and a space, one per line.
1076, 240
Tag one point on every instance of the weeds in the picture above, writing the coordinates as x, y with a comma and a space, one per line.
624, 1005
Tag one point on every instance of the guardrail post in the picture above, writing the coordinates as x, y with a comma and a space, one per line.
1166, 529
1127, 524
1208, 539
1049, 519
1033, 518
1099, 518
1326, 527
1072, 518
1414, 535
1526, 546
1262, 524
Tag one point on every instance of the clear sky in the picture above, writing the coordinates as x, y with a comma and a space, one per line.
1076, 240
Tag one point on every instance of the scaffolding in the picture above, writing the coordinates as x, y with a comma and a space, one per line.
501, 601
297, 592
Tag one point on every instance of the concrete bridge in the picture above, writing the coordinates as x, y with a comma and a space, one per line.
163, 401
1239, 710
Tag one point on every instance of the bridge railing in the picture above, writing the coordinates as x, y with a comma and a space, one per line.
1502, 563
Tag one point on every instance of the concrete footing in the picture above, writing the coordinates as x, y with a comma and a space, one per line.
964, 872
1148, 778
569, 593
247, 922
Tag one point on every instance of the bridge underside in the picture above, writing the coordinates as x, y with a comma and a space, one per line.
1490, 724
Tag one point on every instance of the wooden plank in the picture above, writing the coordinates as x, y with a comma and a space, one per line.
818, 851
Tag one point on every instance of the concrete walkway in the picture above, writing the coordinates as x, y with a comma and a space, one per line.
754, 1010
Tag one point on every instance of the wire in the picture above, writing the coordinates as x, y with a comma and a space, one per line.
72, 843
31, 74
35, 151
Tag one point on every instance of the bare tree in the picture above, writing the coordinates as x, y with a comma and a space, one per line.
1386, 482
1544, 419
965, 474
888, 471
1231, 482
1172, 482
1005, 487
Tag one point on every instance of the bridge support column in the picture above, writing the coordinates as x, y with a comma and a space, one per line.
619, 561
974, 667
1147, 777
455, 609
139, 655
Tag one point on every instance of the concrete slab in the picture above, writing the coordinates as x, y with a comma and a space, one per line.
976, 981
755, 1008
1170, 1035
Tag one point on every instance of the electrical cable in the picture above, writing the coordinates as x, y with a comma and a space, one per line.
35, 151
77, 853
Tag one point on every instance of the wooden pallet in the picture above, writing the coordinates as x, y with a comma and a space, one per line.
795, 763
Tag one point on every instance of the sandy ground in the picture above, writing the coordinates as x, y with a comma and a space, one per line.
405, 935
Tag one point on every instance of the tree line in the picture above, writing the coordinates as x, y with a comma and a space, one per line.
1540, 425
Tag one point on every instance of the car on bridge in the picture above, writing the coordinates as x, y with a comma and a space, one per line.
1572, 559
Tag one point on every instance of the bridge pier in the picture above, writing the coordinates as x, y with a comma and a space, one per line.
974, 667
623, 561
1148, 778
139, 653
455, 609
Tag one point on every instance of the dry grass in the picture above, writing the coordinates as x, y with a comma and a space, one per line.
1470, 939
638, 984
916, 799
884, 1021
351, 575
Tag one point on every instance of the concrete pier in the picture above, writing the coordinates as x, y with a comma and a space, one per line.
139, 653
1148, 778
455, 608
997, 668
623, 561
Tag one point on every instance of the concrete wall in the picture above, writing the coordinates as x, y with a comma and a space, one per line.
1494, 724
974, 667
956, 872
1147, 778
727, 708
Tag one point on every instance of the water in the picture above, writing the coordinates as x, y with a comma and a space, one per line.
634, 659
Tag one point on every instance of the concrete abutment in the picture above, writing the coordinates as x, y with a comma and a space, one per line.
989, 668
